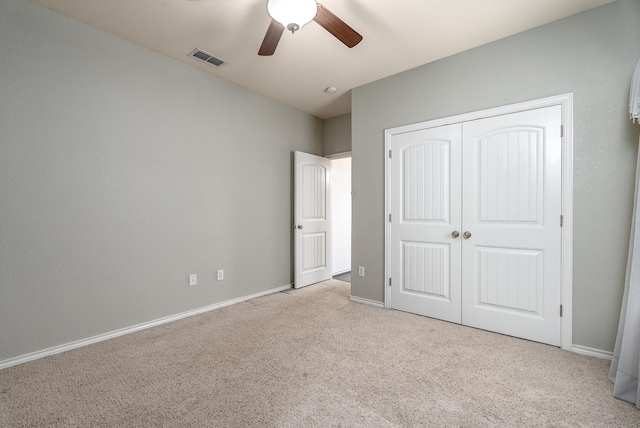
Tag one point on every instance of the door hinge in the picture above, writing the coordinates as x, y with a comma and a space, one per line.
561, 220
389, 281
560, 310
389, 154
389, 218
561, 131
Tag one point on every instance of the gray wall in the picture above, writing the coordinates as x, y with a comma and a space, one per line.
337, 135
592, 55
121, 172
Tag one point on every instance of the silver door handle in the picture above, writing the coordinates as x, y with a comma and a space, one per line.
299, 226
466, 235
455, 234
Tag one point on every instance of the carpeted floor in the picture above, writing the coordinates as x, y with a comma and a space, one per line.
311, 357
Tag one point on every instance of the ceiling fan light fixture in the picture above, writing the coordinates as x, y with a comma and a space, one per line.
293, 14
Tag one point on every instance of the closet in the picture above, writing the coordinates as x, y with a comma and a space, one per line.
475, 217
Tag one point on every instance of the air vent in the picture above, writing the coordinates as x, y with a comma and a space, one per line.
207, 57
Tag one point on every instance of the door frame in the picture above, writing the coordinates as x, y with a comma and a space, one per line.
566, 103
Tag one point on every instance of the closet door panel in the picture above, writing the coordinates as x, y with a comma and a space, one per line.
425, 210
511, 205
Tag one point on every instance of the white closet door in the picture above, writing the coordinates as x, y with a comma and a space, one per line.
511, 277
425, 191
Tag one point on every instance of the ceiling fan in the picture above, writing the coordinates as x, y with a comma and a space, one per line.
294, 14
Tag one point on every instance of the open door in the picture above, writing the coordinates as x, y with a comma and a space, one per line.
312, 219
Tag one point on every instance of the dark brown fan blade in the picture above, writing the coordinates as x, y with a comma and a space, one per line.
337, 27
271, 39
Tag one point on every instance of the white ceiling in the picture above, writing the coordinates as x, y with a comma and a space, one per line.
398, 35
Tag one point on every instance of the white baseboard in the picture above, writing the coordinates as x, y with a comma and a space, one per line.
340, 272
121, 332
367, 301
592, 352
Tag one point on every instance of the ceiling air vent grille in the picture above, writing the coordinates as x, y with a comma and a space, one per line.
207, 57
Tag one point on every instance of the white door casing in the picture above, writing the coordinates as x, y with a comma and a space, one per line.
312, 219
425, 197
499, 303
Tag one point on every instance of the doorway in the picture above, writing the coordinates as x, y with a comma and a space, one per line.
341, 216
322, 218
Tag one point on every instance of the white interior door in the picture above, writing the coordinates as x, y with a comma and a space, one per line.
511, 280
425, 217
312, 218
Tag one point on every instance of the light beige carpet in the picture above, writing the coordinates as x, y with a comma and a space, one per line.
311, 357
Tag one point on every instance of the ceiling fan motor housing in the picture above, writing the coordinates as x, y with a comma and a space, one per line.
293, 14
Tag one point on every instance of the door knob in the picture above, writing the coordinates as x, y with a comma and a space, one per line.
299, 226
455, 234
467, 235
